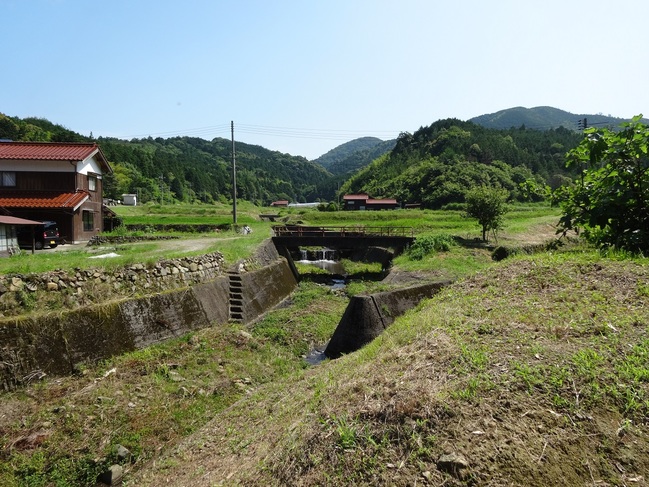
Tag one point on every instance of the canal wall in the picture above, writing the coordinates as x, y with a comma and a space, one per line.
56, 343
366, 317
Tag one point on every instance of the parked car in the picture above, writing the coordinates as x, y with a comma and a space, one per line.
45, 234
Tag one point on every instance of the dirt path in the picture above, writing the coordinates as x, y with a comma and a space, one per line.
179, 244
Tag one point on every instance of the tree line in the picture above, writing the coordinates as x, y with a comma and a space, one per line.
438, 164
189, 169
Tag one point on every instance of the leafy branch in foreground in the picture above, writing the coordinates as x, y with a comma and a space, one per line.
610, 200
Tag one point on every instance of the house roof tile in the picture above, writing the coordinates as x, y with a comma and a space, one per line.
355, 197
51, 151
51, 200
381, 202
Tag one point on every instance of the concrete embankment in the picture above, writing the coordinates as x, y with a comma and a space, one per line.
366, 317
55, 343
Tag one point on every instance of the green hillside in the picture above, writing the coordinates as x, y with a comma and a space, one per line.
353, 155
519, 149
436, 165
188, 169
197, 168
543, 118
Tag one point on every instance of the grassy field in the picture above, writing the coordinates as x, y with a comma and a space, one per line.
533, 371
522, 223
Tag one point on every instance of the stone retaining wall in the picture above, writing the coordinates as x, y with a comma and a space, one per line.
73, 289
54, 343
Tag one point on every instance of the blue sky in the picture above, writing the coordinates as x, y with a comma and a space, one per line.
303, 76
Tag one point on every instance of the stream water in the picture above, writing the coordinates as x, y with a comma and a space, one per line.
316, 356
324, 259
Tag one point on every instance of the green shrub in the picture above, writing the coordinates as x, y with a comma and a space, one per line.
501, 253
428, 244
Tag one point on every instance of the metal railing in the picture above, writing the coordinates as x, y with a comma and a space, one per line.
343, 231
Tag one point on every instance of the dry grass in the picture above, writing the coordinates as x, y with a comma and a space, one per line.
533, 373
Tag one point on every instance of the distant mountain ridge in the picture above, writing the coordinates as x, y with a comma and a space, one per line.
353, 155
356, 154
543, 118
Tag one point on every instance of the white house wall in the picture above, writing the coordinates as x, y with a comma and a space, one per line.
89, 166
37, 166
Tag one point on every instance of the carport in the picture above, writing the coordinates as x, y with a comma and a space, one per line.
8, 234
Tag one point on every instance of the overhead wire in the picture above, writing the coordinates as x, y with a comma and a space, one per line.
291, 132
224, 130
332, 134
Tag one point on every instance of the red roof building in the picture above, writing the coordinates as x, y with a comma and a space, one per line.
54, 181
363, 201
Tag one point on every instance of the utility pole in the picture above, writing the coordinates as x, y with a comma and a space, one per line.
234, 179
582, 124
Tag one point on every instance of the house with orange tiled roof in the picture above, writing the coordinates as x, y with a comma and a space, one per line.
55, 181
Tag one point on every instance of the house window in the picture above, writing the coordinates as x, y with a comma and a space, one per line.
92, 183
7, 178
88, 221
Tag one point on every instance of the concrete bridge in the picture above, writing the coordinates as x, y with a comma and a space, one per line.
289, 238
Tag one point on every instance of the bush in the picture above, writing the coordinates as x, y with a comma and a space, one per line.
454, 207
501, 253
427, 244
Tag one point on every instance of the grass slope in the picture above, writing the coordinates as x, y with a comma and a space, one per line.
534, 372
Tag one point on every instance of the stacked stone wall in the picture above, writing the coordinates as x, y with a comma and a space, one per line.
23, 293
55, 342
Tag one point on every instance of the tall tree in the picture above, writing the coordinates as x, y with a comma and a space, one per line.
487, 205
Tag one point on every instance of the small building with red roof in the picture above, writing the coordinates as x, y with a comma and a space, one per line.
55, 181
363, 201
381, 204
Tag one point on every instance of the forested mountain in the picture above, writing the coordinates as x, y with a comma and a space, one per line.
36, 130
189, 169
436, 165
203, 169
353, 155
543, 118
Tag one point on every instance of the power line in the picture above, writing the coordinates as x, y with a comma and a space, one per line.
332, 134
271, 131
224, 129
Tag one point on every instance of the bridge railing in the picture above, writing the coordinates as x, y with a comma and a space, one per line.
341, 231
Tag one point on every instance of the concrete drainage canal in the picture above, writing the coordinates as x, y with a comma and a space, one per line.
366, 316
53, 344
